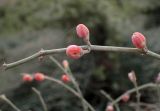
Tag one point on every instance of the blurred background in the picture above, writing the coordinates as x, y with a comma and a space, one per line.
26, 26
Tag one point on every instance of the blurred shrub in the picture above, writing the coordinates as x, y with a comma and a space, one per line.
27, 26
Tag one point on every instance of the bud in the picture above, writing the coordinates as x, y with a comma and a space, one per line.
40, 58
82, 31
158, 79
109, 108
139, 40
39, 76
65, 64
74, 51
27, 78
132, 76
125, 97
65, 78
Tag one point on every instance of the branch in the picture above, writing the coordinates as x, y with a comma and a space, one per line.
41, 98
134, 90
93, 48
109, 98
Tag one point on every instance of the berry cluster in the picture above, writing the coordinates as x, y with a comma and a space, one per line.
36, 76
75, 52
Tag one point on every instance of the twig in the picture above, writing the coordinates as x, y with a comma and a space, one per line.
110, 98
69, 73
92, 47
158, 92
143, 104
71, 90
134, 90
138, 95
40, 98
10, 103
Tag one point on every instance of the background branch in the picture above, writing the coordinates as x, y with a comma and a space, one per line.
110, 99
73, 80
10, 103
71, 90
134, 90
41, 98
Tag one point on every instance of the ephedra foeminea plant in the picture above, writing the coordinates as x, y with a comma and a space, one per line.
76, 52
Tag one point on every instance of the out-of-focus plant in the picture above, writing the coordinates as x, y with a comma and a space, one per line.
76, 52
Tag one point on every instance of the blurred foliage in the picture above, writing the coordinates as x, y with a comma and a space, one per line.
28, 25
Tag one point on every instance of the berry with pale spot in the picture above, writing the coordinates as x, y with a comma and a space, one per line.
74, 51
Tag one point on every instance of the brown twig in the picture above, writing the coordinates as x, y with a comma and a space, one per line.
92, 48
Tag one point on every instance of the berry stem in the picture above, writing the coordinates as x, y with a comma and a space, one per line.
110, 98
69, 73
40, 98
148, 85
138, 95
158, 92
71, 90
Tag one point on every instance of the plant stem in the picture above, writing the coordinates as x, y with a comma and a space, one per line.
40, 98
138, 95
71, 90
134, 90
69, 73
10, 103
110, 98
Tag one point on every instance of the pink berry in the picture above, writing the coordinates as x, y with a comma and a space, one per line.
139, 40
65, 78
158, 79
39, 76
74, 51
109, 108
82, 31
132, 76
125, 97
65, 64
27, 78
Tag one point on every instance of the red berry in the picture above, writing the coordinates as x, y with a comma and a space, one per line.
27, 78
82, 31
109, 108
139, 40
65, 78
125, 97
39, 76
74, 51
